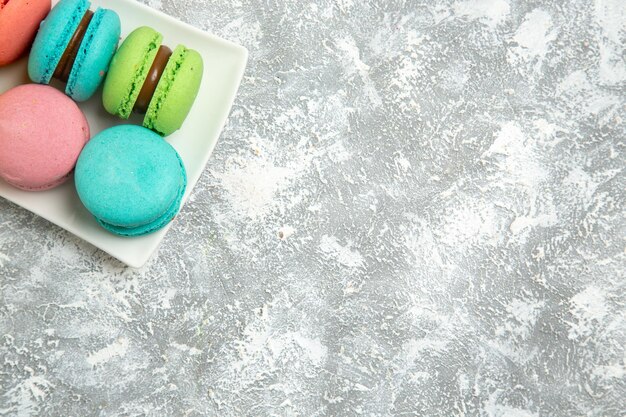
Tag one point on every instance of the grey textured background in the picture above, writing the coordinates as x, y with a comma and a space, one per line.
416, 208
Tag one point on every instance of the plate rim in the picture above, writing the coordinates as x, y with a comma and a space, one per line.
136, 261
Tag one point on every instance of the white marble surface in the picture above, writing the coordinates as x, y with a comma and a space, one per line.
416, 208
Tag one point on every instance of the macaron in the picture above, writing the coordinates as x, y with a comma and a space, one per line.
131, 180
42, 132
75, 45
19, 21
149, 78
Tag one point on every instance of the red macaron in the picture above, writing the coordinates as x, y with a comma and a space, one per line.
19, 22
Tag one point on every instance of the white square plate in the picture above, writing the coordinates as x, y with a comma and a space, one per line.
224, 65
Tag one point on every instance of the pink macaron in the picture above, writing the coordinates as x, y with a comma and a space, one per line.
19, 21
42, 132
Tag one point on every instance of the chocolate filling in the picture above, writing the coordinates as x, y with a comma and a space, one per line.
152, 80
66, 63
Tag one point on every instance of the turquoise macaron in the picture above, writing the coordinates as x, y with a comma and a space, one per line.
131, 180
75, 45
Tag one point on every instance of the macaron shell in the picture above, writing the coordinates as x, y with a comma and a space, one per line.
130, 179
129, 69
53, 37
176, 92
42, 132
158, 223
19, 21
95, 54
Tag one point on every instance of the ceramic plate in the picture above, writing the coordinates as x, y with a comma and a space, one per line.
224, 66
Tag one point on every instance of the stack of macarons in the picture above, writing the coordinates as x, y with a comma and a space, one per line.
128, 177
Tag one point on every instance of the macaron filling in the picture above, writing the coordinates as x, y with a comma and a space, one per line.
152, 80
64, 67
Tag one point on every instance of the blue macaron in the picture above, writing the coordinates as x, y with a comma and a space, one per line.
131, 180
76, 46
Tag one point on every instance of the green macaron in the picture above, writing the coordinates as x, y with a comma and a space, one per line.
147, 77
